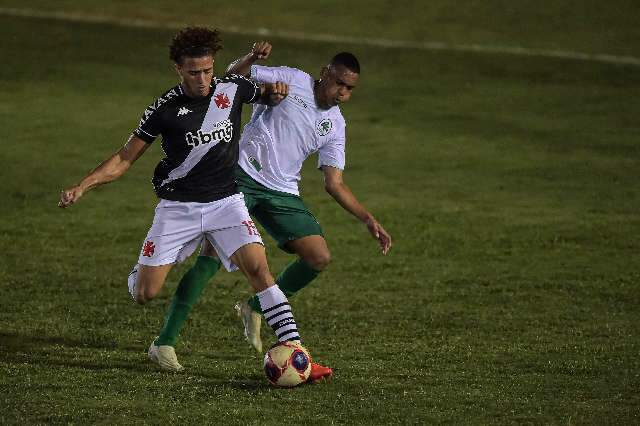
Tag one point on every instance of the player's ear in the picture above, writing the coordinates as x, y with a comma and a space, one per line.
324, 71
177, 67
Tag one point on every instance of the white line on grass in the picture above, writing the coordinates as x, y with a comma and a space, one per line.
295, 35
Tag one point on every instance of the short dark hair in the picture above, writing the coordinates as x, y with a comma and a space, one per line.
194, 42
348, 60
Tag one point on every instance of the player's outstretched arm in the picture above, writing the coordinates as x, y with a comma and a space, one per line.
108, 171
242, 65
335, 186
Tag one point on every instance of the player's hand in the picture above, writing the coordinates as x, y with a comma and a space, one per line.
378, 232
69, 196
261, 49
277, 92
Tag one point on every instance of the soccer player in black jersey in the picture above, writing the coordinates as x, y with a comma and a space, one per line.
199, 120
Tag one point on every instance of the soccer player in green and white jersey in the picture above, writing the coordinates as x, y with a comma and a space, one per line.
273, 146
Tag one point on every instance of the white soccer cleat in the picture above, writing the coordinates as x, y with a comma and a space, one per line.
251, 321
132, 282
165, 357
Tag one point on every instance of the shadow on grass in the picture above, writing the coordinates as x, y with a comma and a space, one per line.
222, 356
15, 342
53, 360
45, 351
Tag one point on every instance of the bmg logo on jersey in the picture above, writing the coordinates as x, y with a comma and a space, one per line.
222, 132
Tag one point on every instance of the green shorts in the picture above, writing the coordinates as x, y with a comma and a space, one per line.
284, 216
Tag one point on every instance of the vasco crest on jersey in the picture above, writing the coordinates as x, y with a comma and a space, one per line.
222, 132
222, 100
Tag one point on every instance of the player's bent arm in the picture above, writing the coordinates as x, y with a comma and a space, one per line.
108, 171
242, 65
116, 165
335, 186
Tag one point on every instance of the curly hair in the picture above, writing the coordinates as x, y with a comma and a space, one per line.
194, 42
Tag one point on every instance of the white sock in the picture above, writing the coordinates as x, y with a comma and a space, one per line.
277, 313
132, 282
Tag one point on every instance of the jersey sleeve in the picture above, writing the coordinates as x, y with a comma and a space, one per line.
332, 153
150, 125
248, 90
264, 74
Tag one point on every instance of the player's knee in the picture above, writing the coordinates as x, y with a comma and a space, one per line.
145, 294
318, 260
141, 297
258, 276
256, 271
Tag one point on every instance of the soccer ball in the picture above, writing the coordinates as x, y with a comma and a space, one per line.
287, 364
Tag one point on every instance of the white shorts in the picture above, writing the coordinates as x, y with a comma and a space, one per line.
179, 228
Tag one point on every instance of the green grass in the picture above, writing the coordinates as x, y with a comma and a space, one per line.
584, 25
510, 186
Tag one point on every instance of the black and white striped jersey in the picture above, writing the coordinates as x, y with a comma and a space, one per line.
199, 139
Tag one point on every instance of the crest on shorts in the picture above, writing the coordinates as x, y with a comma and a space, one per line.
323, 127
148, 249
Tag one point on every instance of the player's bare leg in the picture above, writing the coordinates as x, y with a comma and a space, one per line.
249, 260
149, 281
252, 261
313, 250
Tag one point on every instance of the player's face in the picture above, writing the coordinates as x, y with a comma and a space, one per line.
196, 74
336, 85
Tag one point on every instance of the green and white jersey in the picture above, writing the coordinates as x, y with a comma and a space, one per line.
277, 140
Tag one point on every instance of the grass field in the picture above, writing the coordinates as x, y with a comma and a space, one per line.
510, 185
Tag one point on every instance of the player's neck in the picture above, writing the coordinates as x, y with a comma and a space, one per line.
190, 94
317, 97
